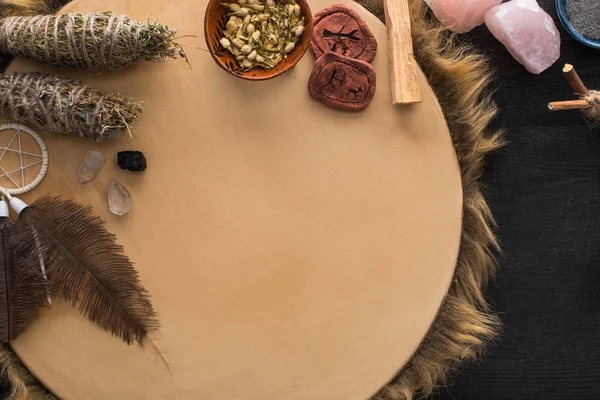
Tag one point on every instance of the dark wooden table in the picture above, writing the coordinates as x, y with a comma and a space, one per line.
544, 190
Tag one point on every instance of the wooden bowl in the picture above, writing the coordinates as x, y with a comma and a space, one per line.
214, 25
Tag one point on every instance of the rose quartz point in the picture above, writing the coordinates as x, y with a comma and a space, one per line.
528, 33
90, 165
461, 15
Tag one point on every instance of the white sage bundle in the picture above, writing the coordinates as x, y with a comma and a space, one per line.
88, 41
62, 105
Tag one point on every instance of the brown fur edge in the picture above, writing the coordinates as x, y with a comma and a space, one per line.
25, 7
464, 323
23, 385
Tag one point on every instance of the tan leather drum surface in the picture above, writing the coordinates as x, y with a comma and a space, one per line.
293, 252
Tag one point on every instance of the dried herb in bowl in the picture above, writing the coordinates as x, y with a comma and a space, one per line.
261, 33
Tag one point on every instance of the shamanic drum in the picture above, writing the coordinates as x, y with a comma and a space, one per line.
290, 250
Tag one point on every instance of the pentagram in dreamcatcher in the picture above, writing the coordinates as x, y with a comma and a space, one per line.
23, 158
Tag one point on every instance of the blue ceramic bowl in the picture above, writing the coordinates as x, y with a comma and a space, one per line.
561, 7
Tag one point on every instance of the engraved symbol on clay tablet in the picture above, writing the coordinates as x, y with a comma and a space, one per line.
342, 83
339, 29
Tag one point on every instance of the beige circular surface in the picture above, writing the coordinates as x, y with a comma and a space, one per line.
291, 251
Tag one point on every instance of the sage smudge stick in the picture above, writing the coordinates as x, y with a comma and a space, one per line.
62, 105
90, 41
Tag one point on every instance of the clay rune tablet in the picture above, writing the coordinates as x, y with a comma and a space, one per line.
342, 83
341, 30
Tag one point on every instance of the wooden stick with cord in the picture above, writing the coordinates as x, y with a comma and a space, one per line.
574, 80
568, 105
578, 87
403, 67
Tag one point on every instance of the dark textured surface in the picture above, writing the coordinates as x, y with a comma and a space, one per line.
132, 160
585, 17
544, 190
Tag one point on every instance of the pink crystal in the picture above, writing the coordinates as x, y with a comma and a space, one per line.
90, 165
461, 15
528, 33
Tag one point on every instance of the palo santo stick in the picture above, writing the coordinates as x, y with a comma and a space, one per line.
568, 105
403, 67
574, 80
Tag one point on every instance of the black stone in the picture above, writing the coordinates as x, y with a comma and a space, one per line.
131, 160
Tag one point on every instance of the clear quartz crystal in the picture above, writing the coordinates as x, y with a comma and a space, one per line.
119, 199
90, 165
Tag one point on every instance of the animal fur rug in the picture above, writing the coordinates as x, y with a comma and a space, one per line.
465, 322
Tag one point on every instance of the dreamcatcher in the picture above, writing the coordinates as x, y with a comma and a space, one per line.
58, 247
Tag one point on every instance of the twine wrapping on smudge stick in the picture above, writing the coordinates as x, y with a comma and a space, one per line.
62, 105
90, 41
593, 98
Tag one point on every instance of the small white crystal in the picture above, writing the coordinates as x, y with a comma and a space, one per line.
119, 199
90, 165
